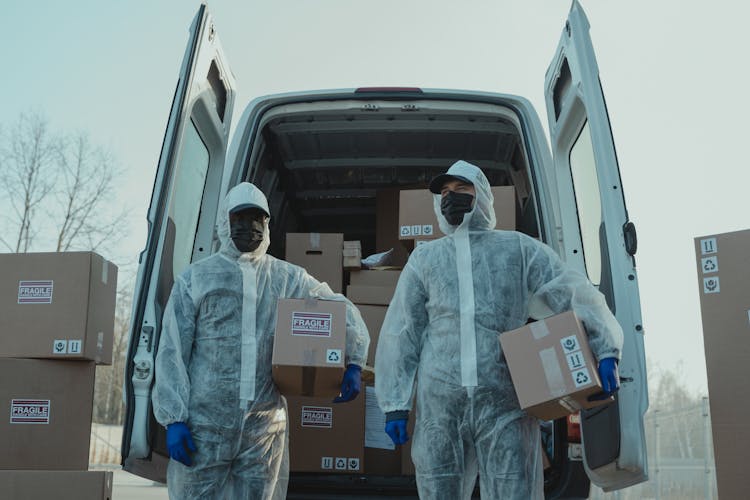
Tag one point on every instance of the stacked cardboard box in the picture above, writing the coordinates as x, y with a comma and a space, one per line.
56, 325
371, 291
417, 219
320, 253
724, 290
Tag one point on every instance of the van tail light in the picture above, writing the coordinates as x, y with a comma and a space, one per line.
574, 428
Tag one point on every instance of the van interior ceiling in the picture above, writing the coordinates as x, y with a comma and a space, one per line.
322, 169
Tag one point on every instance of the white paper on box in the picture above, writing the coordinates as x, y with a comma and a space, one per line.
375, 436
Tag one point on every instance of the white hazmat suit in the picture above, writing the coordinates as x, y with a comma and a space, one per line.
213, 367
440, 340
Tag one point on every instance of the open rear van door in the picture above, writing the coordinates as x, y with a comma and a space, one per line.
180, 226
598, 239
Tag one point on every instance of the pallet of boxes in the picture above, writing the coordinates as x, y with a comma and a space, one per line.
56, 325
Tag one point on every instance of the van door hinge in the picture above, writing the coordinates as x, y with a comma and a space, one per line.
631, 238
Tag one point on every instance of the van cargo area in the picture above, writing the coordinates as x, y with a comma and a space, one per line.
322, 163
324, 166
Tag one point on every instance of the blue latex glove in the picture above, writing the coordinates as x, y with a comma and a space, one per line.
351, 384
396, 430
610, 379
179, 441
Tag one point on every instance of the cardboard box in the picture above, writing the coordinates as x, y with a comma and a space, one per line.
417, 220
326, 437
45, 413
724, 290
57, 484
320, 253
374, 317
373, 295
387, 278
57, 305
352, 255
552, 367
309, 347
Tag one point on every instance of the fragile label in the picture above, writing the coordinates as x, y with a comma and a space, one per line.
60, 346
575, 360
312, 324
29, 411
35, 292
711, 285
317, 416
570, 344
427, 230
333, 356
710, 264
708, 245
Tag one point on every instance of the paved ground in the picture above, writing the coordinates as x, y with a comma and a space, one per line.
126, 486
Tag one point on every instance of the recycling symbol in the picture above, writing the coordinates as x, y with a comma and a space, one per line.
581, 378
333, 356
709, 265
341, 463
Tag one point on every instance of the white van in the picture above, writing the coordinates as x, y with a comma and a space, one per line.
320, 158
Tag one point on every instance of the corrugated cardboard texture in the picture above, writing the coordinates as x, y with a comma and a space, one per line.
321, 254
333, 444
80, 311
417, 220
63, 443
553, 376
724, 289
373, 295
309, 361
60, 485
375, 278
373, 316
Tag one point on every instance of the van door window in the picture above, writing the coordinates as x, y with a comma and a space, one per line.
588, 202
187, 195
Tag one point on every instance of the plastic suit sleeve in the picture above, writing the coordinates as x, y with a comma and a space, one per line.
357, 336
171, 394
562, 288
400, 343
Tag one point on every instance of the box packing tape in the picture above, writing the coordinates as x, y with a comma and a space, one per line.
539, 329
552, 371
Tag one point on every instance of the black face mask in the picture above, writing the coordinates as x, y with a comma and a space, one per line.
247, 234
455, 205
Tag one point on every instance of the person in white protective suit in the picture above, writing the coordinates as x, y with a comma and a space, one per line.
440, 340
225, 419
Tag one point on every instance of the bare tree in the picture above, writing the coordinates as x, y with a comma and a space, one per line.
58, 191
108, 405
27, 157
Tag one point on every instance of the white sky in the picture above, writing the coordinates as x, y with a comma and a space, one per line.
672, 73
